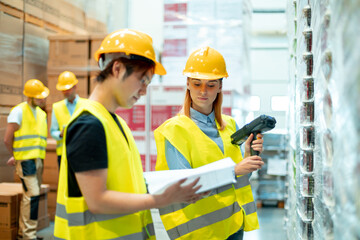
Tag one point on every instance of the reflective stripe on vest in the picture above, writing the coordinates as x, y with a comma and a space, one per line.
30, 139
240, 182
63, 116
182, 132
203, 221
82, 219
135, 236
73, 219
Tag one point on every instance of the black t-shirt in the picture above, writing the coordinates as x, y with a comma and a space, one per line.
86, 148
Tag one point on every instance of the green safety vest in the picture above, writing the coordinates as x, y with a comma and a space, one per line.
73, 219
30, 139
228, 208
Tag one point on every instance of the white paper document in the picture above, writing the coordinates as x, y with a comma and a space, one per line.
212, 176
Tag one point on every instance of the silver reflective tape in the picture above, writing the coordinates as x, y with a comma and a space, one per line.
172, 208
81, 219
134, 236
151, 229
242, 181
249, 208
28, 137
203, 221
23, 149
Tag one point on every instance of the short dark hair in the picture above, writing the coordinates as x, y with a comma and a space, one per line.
133, 64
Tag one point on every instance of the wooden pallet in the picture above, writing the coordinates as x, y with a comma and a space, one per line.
274, 203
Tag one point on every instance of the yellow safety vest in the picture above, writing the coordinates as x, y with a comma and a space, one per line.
30, 139
63, 117
228, 208
73, 219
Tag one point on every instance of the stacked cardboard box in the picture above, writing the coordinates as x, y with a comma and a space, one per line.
10, 198
73, 53
51, 176
8, 214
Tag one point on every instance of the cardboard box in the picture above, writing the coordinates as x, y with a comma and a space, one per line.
52, 213
6, 172
34, 8
51, 12
8, 233
51, 177
65, 16
95, 26
17, 189
8, 209
50, 161
11, 83
43, 222
18, 4
69, 51
95, 42
36, 51
52, 195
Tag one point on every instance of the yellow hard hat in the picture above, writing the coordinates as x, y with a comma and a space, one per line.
35, 89
129, 42
205, 63
66, 81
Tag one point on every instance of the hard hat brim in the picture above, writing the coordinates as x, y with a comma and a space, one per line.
204, 76
42, 95
159, 69
66, 87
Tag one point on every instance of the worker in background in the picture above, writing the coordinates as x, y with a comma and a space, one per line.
101, 192
200, 135
62, 110
25, 138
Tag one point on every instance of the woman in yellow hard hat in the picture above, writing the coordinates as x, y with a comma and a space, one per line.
25, 138
102, 193
199, 135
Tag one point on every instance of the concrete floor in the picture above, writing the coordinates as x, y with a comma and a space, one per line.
271, 226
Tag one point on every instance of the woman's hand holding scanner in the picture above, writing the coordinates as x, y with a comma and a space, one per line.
179, 193
248, 165
255, 145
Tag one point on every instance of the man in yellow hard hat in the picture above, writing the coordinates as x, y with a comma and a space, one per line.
25, 138
62, 110
102, 193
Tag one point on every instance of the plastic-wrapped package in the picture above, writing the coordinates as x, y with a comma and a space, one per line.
309, 62
307, 137
308, 39
307, 161
345, 17
307, 90
307, 113
305, 229
306, 208
307, 184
